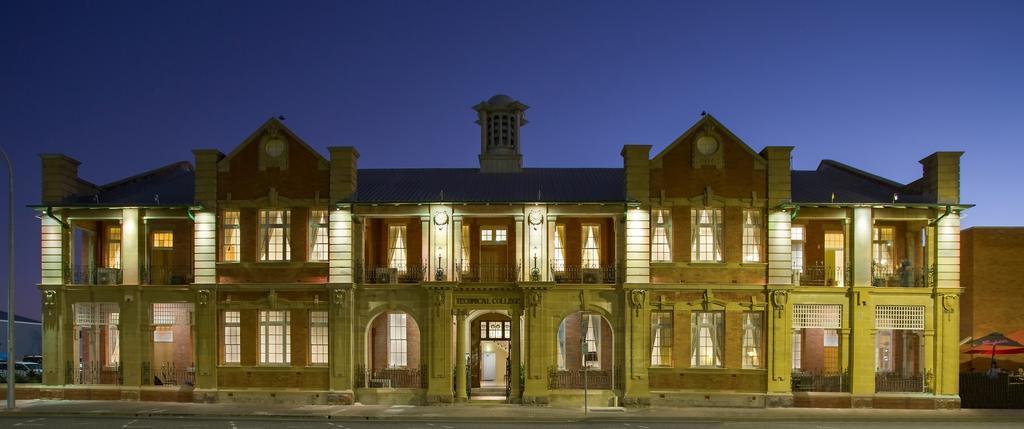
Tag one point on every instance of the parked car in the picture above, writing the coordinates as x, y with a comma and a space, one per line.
24, 372
37, 359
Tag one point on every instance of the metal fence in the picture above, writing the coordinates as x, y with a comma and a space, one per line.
168, 374
575, 379
978, 390
821, 275
821, 382
395, 378
91, 275
483, 273
167, 275
567, 273
378, 274
903, 383
903, 276
94, 373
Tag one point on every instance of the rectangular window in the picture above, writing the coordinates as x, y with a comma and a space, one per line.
319, 230
558, 256
752, 236
592, 341
397, 340
163, 240
318, 338
796, 234
275, 338
465, 248
486, 234
661, 247
661, 338
752, 340
493, 235
275, 242
396, 247
882, 247
114, 247
113, 339
230, 226
232, 337
706, 334
501, 235
706, 235
797, 349
591, 246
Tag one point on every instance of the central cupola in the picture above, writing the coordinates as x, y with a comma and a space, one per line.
500, 118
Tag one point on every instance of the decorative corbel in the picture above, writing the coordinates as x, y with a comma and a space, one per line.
339, 298
50, 301
203, 296
779, 300
636, 300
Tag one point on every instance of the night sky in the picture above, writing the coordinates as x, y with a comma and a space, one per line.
126, 87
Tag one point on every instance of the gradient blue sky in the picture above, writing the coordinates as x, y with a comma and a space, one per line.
126, 87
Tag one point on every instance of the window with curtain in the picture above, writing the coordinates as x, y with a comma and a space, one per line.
465, 247
318, 338
797, 349
113, 247
591, 246
561, 346
397, 340
661, 247
661, 338
751, 344
230, 226
796, 234
275, 242
275, 337
319, 230
232, 337
163, 239
706, 339
396, 247
113, 339
706, 235
882, 247
752, 235
558, 256
591, 341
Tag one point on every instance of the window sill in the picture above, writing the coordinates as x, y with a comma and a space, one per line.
707, 264
753, 264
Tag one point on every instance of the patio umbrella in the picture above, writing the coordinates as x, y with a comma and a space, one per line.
995, 344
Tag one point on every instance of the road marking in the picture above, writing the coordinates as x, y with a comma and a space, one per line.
129, 423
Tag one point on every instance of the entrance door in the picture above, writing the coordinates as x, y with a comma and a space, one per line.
490, 367
835, 264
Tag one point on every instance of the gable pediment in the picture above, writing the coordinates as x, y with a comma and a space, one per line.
272, 145
708, 143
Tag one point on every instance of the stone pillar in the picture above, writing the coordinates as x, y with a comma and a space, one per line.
341, 343
344, 164
862, 347
516, 355
779, 360
460, 356
54, 332
638, 349
862, 227
539, 354
207, 329
132, 316
205, 237
638, 245
780, 248
130, 248
439, 344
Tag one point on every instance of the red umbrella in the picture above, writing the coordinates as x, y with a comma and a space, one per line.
996, 344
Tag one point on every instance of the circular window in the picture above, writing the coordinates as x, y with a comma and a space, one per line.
274, 147
707, 145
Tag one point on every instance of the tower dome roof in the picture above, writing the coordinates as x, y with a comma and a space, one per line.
500, 100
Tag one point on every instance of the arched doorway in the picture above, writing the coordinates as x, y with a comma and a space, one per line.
584, 352
489, 361
392, 353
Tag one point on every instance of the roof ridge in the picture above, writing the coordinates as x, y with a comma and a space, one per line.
854, 170
159, 170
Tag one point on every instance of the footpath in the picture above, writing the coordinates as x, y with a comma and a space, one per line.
478, 412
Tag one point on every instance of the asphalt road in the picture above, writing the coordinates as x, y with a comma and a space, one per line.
88, 422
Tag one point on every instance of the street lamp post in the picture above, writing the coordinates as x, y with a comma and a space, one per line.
10, 282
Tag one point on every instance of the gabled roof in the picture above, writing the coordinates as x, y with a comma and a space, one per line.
708, 120
849, 185
17, 318
270, 123
170, 185
412, 185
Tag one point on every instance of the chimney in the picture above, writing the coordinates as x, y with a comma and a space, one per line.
206, 176
60, 178
780, 188
344, 166
942, 177
637, 164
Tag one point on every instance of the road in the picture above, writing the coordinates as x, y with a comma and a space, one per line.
88, 422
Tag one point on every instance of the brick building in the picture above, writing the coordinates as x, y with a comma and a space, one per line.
708, 274
993, 278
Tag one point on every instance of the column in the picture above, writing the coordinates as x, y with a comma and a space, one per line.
862, 317
539, 354
130, 246
205, 250
516, 355
460, 356
130, 319
780, 340
341, 345
862, 226
637, 350
638, 246
439, 346
780, 248
206, 342
524, 271
340, 246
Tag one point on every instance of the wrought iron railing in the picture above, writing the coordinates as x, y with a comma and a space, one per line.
167, 274
902, 276
168, 374
579, 378
91, 275
394, 378
94, 373
488, 273
821, 381
566, 273
821, 275
903, 382
383, 274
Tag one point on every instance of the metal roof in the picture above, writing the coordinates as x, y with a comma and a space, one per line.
470, 185
849, 185
170, 185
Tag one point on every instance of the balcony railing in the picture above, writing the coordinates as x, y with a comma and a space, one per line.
565, 273
168, 374
94, 373
821, 382
91, 275
821, 275
167, 275
902, 276
903, 383
488, 273
382, 274
575, 379
395, 378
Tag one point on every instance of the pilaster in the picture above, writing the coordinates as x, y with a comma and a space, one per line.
638, 349
341, 344
130, 248
460, 356
439, 343
207, 332
129, 327
779, 361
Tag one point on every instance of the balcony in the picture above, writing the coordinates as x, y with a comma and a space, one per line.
167, 275
567, 273
821, 275
488, 273
903, 276
91, 275
377, 274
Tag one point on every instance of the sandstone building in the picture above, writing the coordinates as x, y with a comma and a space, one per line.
706, 274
